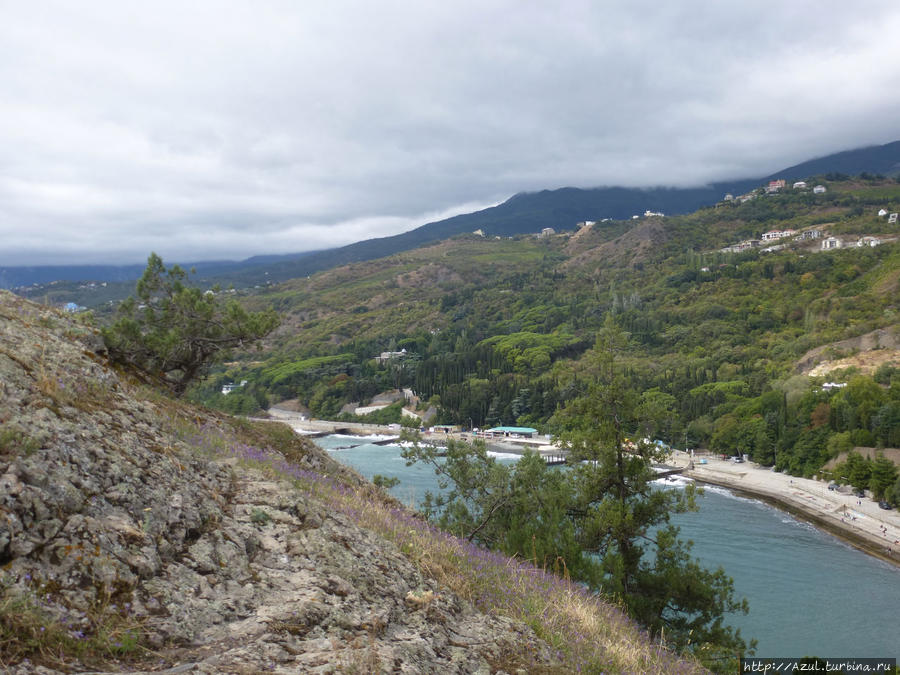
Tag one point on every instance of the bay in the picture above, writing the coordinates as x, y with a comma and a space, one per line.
809, 593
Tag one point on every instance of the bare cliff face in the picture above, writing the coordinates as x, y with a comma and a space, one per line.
141, 535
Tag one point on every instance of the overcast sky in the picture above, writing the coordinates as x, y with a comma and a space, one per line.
222, 129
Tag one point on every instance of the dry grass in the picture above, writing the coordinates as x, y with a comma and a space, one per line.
587, 633
37, 628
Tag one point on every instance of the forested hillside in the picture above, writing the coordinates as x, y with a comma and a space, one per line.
494, 328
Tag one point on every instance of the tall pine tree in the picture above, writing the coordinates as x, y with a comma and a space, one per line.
625, 521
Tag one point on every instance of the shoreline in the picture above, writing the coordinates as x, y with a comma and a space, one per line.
315, 426
839, 514
857, 523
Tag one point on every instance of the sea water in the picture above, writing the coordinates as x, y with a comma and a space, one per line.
809, 593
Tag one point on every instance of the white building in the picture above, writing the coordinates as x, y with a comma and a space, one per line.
800, 185
830, 243
868, 241
819, 189
387, 356
228, 388
882, 213
778, 234
892, 218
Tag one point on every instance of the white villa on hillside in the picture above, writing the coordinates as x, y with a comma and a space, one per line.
778, 234
830, 243
387, 356
819, 189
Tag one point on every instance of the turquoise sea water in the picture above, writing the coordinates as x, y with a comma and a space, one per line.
809, 593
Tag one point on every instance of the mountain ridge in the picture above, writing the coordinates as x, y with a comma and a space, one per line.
524, 212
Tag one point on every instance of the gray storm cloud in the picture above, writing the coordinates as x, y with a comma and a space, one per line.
227, 129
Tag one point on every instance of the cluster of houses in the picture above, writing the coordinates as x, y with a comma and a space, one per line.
770, 236
774, 187
828, 243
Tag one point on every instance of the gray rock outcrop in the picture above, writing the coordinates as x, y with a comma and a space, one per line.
120, 507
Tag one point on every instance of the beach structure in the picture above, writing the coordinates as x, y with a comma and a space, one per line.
511, 432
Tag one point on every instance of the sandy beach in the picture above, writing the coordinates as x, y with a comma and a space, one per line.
858, 521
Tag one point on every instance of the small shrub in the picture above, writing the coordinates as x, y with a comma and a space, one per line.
14, 441
385, 482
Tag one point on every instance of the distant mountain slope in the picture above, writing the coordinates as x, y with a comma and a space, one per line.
523, 213
12, 277
563, 208
877, 159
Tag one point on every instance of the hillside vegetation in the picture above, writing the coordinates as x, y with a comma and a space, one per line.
138, 534
494, 328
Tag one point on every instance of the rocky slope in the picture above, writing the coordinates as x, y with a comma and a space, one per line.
138, 535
